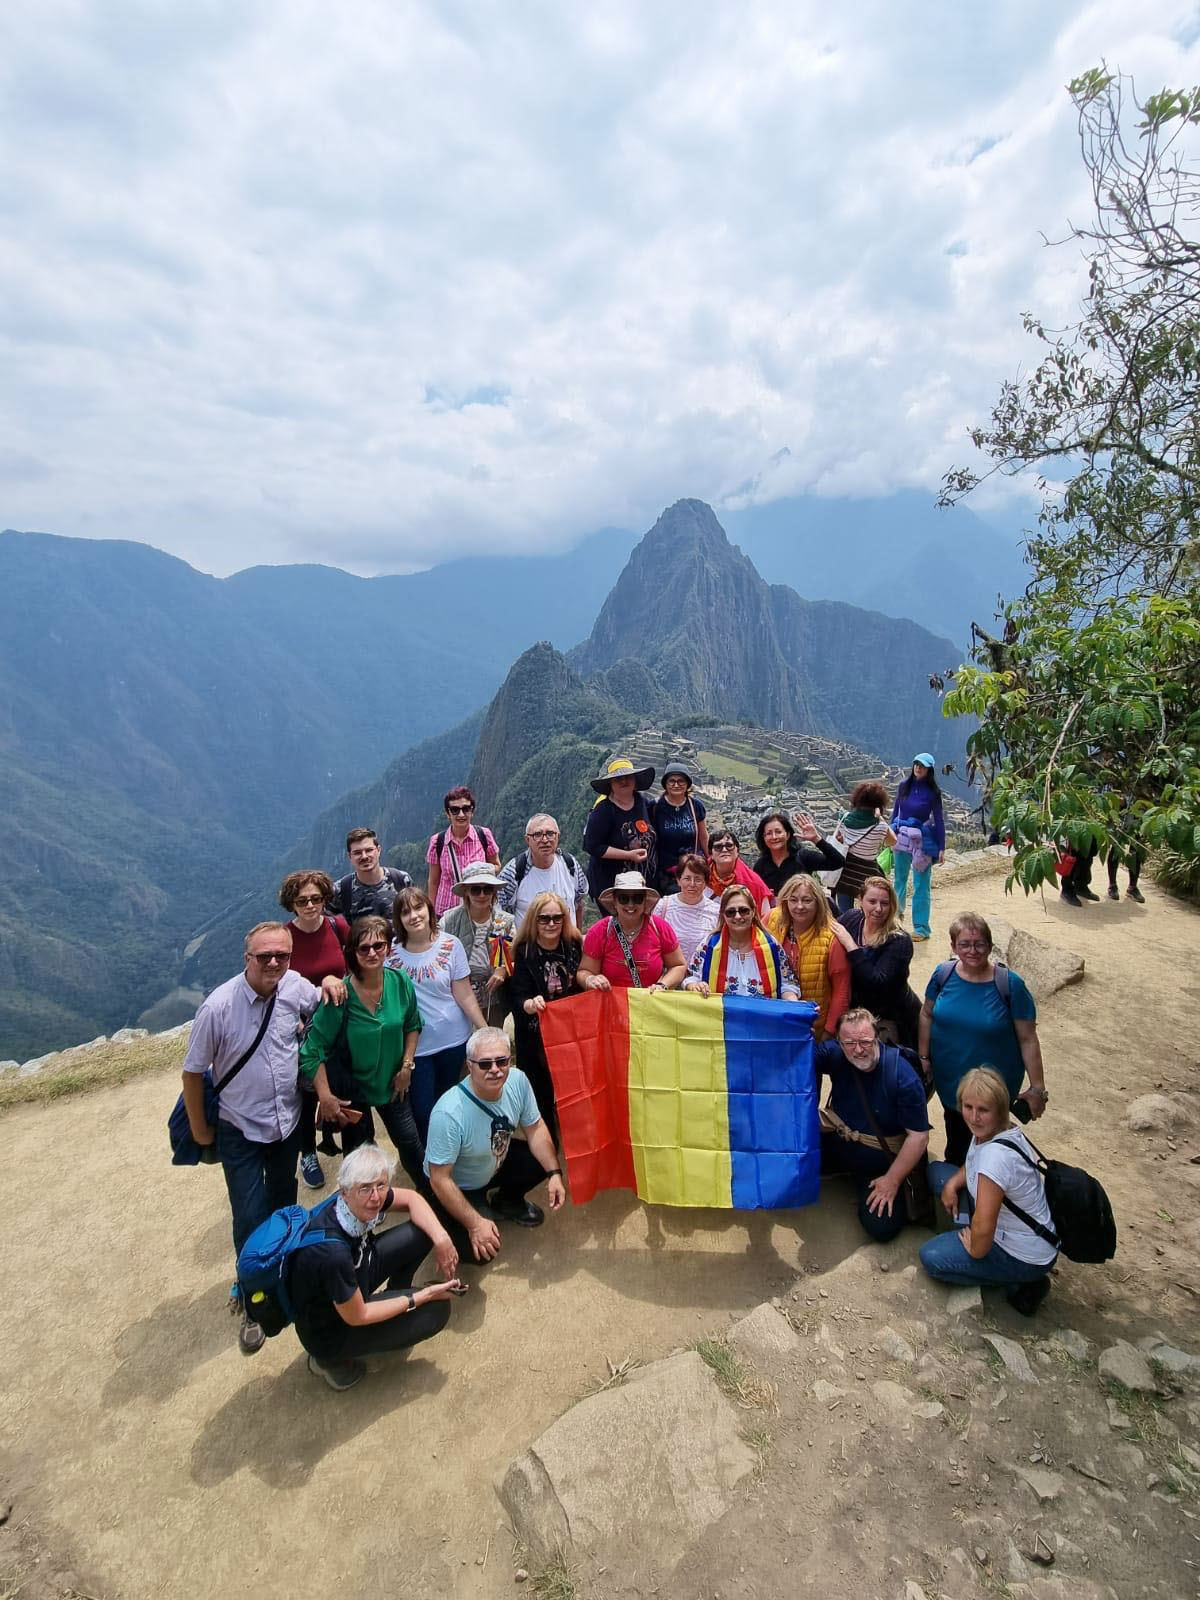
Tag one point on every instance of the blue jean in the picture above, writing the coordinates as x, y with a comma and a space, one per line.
260, 1178
862, 1165
432, 1076
902, 865
945, 1258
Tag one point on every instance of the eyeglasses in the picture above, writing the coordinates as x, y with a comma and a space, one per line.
371, 1188
972, 944
310, 900
271, 958
550, 916
669, 783
373, 948
726, 844
738, 911
542, 833
630, 899
481, 888
856, 1044
487, 1062
460, 811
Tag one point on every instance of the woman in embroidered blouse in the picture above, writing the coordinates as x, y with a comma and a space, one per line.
441, 975
804, 927
546, 953
460, 844
630, 948
741, 957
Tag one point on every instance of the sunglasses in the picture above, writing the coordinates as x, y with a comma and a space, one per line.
373, 948
550, 916
630, 899
460, 811
487, 1062
271, 958
727, 845
481, 888
310, 899
737, 911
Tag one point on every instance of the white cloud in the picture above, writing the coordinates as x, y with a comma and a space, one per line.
377, 284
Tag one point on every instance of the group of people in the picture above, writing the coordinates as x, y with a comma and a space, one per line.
420, 1008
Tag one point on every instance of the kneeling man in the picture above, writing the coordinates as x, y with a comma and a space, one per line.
478, 1172
875, 1127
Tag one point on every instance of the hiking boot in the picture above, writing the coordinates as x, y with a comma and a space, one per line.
1070, 898
919, 938
310, 1171
1088, 894
523, 1212
339, 1375
1027, 1297
1113, 892
251, 1338
1134, 893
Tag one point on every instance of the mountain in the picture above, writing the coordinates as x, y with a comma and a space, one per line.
691, 613
164, 734
898, 554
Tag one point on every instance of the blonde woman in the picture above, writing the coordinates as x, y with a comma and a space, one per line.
880, 954
803, 926
546, 952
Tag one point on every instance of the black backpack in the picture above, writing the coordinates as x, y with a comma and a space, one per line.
1084, 1227
941, 977
525, 860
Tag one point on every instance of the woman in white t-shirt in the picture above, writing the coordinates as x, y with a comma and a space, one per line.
692, 912
441, 974
1008, 1232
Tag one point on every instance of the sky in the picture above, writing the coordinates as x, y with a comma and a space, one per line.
376, 285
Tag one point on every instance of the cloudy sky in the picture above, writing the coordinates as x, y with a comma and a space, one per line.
379, 283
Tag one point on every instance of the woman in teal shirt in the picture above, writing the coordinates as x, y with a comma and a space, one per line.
968, 1022
361, 1055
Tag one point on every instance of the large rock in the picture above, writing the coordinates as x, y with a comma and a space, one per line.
1159, 1113
650, 1464
1045, 967
764, 1335
1016, 1362
1122, 1364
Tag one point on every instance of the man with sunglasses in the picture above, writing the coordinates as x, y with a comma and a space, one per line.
248, 1033
479, 1174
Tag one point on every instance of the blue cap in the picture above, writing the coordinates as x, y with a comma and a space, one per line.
925, 759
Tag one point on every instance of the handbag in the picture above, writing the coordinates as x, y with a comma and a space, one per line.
914, 1191
185, 1152
830, 878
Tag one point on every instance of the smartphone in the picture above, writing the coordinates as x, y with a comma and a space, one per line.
1020, 1110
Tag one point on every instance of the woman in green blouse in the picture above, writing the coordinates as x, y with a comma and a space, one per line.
360, 1056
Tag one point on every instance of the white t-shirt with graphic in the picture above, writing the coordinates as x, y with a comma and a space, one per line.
1020, 1181
432, 971
557, 879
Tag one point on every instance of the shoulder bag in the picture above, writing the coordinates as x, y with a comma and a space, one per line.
185, 1152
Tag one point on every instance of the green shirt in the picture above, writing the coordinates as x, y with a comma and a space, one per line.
375, 1039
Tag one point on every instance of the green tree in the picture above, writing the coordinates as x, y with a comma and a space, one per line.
1089, 701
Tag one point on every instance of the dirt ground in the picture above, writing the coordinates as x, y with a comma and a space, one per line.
141, 1453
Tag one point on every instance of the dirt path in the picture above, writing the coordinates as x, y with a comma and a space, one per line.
144, 1453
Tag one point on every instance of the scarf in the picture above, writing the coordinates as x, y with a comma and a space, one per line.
766, 956
349, 1223
859, 818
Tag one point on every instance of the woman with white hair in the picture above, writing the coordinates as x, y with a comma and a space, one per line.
352, 1289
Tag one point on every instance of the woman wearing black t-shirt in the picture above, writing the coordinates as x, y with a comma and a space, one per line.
351, 1289
546, 952
620, 836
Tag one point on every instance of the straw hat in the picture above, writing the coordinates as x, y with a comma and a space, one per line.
628, 883
622, 767
480, 874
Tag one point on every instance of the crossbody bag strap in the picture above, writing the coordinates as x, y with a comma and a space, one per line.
496, 1116
1040, 1228
258, 1039
626, 951
871, 1118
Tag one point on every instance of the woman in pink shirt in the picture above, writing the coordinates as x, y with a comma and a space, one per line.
455, 848
630, 948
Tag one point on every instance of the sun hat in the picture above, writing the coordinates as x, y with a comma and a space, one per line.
676, 769
925, 760
622, 767
628, 883
480, 874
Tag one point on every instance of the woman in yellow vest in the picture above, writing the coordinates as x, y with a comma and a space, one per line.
741, 957
803, 925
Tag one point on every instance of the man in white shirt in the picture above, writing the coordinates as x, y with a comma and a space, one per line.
542, 868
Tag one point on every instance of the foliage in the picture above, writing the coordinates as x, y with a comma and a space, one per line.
1089, 732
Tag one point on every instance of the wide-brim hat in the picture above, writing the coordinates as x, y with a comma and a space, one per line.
478, 875
622, 767
676, 769
627, 883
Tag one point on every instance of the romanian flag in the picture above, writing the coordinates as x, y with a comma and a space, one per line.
689, 1102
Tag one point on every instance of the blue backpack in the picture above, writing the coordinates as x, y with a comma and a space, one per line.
262, 1265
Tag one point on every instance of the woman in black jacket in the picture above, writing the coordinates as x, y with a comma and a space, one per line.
788, 845
546, 951
880, 955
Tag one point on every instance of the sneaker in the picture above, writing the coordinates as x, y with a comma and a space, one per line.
523, 1212
251, 1338
339, 1375
310, 1171
1088, 894
1113, 892
919, 938
1027, 1297
1134, 893
1070, 898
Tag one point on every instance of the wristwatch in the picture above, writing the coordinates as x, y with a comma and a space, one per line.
412, 1301
554, 1172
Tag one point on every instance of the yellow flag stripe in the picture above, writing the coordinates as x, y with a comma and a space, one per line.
679, 1100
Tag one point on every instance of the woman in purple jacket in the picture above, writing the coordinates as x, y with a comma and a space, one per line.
920, 833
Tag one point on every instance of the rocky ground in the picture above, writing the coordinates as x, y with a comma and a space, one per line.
890, 1450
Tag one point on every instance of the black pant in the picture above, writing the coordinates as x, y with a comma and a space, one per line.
1135, 859
517, 1174
398, 1254
1080, 875
862, 1165
958, 1136
531, 1058
397, 1117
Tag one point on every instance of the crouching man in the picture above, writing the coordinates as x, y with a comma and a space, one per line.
352, 1287
479, 1174
875, 1128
